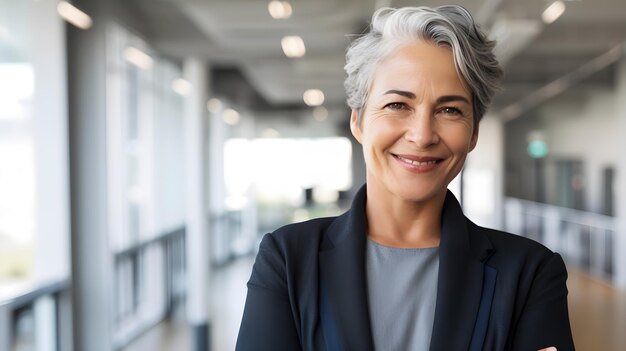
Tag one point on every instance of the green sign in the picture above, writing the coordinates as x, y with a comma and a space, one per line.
537, 149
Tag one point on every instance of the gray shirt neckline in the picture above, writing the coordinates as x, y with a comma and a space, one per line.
402, 291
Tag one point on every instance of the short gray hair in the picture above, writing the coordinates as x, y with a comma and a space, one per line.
450, 26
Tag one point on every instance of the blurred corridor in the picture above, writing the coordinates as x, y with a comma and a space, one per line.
598, 314
147, 145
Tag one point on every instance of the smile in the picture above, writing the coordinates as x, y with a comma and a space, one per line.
416, 163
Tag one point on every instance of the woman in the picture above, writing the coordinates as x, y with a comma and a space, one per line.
404, 269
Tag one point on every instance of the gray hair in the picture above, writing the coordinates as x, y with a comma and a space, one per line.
451, 26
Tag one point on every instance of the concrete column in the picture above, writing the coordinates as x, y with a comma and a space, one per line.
197, 229
249, 220
619, 246
51, 143
92, 266
217, 135
483, 187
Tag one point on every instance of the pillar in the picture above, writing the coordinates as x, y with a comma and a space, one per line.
483, 187
91, 264
619, 247
196, 222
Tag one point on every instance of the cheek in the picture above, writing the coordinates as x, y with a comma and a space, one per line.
374, 146
383, 131
460, 140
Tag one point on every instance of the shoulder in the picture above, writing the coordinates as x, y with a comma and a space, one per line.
300, 236
296, 241
287, 249
518, 253
511, 244
535, 273
524, 263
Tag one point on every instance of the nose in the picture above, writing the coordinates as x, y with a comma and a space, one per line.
421, 130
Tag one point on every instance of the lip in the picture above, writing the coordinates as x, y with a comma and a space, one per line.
418, 164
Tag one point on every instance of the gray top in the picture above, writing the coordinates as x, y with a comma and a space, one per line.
402, 291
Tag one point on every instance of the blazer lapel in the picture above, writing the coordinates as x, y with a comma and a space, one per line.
460, 284
344, 311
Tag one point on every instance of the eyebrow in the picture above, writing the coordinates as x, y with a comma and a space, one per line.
407, 94
451, 98
440, 100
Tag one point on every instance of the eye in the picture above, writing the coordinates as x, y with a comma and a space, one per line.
396, 106
452, 111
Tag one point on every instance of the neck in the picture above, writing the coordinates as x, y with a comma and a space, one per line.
397, 222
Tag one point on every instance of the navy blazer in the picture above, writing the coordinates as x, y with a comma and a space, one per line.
495, 290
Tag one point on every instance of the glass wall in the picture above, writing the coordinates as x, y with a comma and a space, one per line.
145, 163
34, 195
285, 174
17, 148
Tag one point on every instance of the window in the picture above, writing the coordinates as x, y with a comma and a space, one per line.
17, 148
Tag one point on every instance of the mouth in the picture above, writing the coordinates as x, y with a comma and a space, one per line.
418, 163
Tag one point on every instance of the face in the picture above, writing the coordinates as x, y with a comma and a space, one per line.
417, 126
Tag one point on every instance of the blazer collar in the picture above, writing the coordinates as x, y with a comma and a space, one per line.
462, 254
344, 286
344, 306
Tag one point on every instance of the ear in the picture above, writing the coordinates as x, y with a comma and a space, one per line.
355, 128
474, 139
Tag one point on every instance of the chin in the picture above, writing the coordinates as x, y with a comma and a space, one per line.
418, 192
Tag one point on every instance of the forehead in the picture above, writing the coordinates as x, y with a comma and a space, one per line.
419, 67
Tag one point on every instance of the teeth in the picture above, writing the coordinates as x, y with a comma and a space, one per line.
417, 163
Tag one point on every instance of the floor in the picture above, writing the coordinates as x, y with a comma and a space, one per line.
226, 308
597, 314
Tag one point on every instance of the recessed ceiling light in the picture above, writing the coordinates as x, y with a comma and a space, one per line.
214, 105
553, 12
279, 9
313, 97
138, 58
181, 86
73, 15
293, 46
230, 116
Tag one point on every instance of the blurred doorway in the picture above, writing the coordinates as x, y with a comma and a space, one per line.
608, 201
571, 184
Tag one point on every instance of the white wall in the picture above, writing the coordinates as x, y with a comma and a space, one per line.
50, 129
482, 179
169, 173
585, 129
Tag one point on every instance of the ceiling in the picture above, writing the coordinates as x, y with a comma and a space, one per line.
241, 41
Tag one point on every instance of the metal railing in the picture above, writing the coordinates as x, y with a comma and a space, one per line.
149, 283
29, 318
584, 239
